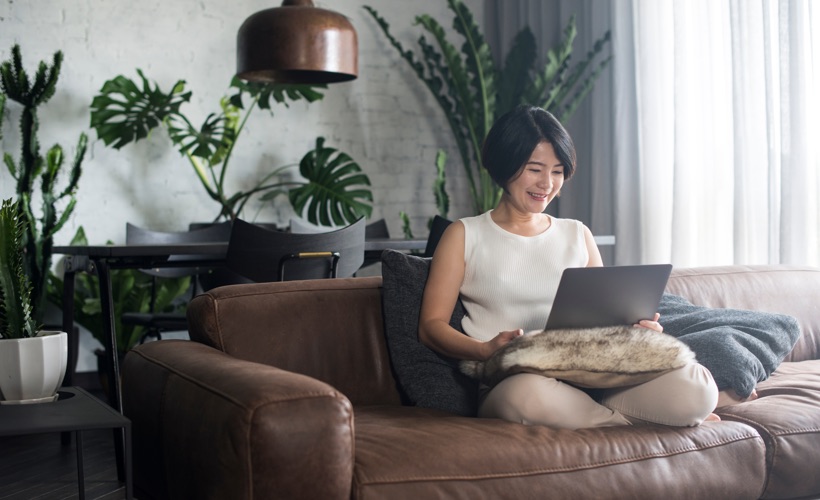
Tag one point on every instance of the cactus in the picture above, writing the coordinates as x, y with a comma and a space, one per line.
38, 234
15, 289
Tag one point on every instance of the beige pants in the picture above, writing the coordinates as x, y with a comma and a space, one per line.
682, 398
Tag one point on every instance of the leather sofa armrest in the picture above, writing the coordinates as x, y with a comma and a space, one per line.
207, 425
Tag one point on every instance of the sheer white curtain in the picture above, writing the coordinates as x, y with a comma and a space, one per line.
716, 131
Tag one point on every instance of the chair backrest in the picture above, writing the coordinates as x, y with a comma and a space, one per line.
376, 229
135, 235
301, 226
257, 253
436, 230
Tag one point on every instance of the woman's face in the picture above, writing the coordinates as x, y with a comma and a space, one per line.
538, 182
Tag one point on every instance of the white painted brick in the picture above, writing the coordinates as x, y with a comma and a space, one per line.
386, 119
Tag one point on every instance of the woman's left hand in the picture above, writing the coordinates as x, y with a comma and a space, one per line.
651, 324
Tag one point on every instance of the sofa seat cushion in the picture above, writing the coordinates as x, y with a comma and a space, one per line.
411, 452
787, 415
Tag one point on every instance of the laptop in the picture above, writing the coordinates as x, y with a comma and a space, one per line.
591, 297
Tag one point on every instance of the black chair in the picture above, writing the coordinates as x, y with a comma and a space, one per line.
436, 230
376, 230
156, 322
262, 255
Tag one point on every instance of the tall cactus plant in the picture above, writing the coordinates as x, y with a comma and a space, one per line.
56, 204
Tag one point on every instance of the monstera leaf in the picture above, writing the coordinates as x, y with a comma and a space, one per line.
278, 92
336, 191
124, 112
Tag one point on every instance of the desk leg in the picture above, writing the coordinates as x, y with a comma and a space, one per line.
129, 481
109, 334
110, 344
68, 326
80, 467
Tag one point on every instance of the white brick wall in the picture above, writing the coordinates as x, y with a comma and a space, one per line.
384, 119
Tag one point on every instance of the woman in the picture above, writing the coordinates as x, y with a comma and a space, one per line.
505, 266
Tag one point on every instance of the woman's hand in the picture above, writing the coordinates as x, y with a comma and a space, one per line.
651, 324
500, 341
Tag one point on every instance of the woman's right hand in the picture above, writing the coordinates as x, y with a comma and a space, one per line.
500, 341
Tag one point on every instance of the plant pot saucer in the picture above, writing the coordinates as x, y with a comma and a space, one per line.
48, 399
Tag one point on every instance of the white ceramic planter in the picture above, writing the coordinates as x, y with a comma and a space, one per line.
32, 369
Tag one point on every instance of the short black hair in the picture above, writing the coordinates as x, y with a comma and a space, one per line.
513, 137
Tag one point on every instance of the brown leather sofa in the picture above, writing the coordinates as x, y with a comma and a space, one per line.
287, 392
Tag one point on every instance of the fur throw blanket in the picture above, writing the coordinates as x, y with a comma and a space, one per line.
589, 357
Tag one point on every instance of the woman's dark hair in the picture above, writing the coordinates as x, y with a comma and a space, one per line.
513, 138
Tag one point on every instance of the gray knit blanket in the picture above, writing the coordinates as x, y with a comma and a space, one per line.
740, 348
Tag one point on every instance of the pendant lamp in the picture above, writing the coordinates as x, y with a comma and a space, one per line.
297, 43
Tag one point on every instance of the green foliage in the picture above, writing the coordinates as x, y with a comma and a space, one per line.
131, 290
56, 203
16, 319
335, 189
473, 90
125, 112
440, 185
405, 225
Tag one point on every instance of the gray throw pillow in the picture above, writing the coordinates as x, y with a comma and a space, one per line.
739, 347
426, 378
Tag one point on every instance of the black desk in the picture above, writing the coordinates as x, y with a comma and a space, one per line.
75, 410
100, 259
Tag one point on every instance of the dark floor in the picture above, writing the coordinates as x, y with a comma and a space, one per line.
39, 467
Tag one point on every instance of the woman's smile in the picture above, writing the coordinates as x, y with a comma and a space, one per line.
538, 182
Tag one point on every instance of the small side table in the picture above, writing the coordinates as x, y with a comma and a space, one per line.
74, 411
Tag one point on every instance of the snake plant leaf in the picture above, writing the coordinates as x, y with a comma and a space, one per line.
124, 112
336, 191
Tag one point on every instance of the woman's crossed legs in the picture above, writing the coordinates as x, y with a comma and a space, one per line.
682, 397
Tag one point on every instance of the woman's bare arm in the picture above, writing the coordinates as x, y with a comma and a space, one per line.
595, 259
440, 296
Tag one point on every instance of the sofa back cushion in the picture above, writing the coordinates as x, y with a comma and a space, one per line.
426, 379
330, 330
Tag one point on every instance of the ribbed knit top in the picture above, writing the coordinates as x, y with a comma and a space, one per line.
510, 280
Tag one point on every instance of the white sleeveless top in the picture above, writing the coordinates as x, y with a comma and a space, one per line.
510, 280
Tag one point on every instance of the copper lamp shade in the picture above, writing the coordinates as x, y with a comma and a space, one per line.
297, 43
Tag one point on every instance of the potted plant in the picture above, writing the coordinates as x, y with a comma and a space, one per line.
335, 190
131, 289
32, 361
473, 90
